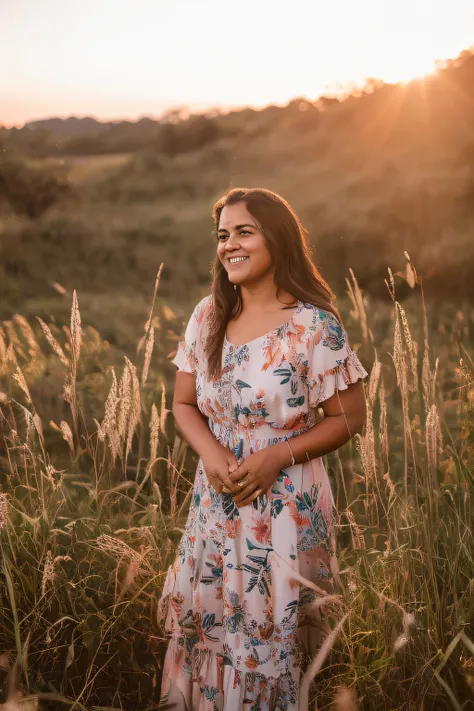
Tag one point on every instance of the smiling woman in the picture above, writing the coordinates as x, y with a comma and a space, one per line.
262, 511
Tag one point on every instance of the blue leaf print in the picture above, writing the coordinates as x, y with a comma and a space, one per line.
276, 507
242, 384
239, 448
295, 401
286, 372
335, 334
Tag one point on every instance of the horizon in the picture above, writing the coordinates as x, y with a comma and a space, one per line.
121, 62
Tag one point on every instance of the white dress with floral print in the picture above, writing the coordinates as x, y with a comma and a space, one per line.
236, 622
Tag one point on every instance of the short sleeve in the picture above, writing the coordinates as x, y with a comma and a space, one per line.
332, 364
190, 352
186, 354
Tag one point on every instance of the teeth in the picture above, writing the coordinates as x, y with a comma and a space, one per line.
233, 260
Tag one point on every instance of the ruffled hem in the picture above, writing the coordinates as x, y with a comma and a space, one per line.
208, 682
345, 373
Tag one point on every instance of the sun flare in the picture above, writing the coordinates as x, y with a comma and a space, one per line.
157, 56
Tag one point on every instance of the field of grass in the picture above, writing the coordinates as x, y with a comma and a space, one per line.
95, 485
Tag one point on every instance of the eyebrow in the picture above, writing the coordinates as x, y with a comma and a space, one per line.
237, 227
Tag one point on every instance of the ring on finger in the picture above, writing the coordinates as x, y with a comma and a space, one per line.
241, 483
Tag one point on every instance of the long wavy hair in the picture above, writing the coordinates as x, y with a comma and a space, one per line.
291, 254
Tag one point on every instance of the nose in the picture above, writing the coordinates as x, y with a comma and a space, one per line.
231, 244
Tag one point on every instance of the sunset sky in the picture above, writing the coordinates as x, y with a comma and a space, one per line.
117, 59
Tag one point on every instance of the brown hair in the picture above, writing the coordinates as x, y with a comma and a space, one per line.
287, 241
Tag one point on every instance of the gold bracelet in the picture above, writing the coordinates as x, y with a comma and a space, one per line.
292, 455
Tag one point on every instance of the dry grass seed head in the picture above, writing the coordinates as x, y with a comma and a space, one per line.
412, 347
135, 407
20, 379
108, 423
76, 330
67, 434
359, 299
148, 353
125, 396
117, 548
163, 411
27, 333
433, 438
154, 433
14, 340
374, 379
53, 342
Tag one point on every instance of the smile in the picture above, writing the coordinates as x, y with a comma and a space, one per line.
235, 260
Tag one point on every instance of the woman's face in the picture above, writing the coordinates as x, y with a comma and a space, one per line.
239, 236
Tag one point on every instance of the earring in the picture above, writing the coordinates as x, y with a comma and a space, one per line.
235, 287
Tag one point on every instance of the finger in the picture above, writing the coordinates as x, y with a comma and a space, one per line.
217, 484
227, 481
249, 499
245, 492
240, 473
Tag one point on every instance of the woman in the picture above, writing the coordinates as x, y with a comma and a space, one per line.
259, 352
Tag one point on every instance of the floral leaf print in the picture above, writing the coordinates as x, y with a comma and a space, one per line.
260, 574
235, 621
242, 384
215, 574
239, 448
334, 338
260, 502
285, 372
229, 507
295, 401
276, 507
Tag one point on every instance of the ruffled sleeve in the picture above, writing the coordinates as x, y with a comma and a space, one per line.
186, 358
332, 364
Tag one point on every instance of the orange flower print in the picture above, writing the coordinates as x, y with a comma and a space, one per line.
232, 527
262, 530
251, 662
297, 517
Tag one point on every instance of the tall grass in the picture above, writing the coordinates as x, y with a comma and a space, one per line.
92, 507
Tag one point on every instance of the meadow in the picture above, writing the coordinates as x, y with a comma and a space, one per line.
96, 485
105, 247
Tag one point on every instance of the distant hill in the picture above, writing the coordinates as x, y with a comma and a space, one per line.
67, 128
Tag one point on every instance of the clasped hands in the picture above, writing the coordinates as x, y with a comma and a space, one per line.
256, 474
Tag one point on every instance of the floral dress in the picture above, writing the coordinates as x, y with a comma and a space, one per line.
236, 620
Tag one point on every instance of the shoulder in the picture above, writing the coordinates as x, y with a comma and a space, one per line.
316, 318
321, 325
199, 317
202, 307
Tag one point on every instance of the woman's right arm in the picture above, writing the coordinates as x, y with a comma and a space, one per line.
194, 428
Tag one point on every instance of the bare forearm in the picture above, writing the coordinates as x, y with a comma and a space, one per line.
193, 426
326, 436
